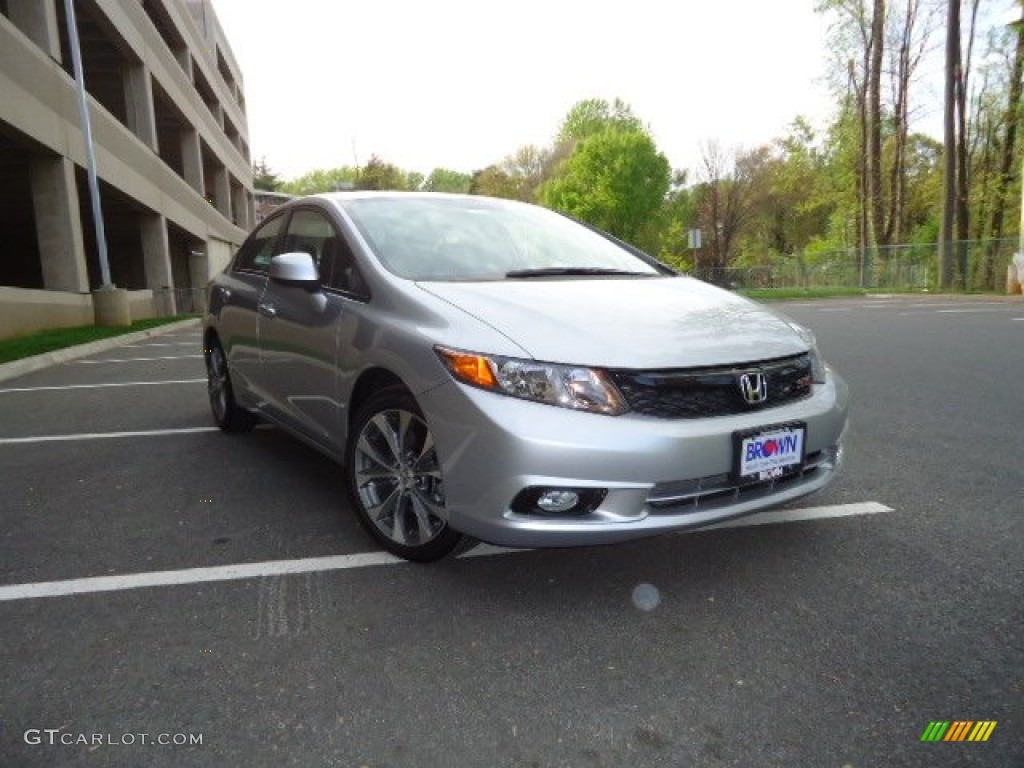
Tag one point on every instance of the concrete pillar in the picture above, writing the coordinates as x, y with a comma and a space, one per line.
199, 274
239, 206
218, 113
138, 101
38, 20
218, 255
58, 224
156, 254
192, 159
222, 192
111, 306
185, 62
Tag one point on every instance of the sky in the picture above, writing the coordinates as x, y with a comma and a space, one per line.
461, 83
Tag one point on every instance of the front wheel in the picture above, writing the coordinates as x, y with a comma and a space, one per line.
229, 416
395, 479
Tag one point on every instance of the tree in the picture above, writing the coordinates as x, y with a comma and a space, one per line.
530, 166
447, 180
724, 199
1007, 166
592, 116
377, 174
263, 178
492, 181
949, 144
321, 180
615, 180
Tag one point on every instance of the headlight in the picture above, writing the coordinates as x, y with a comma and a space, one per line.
569, 386
817, 363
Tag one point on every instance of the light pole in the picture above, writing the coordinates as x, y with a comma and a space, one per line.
110, 305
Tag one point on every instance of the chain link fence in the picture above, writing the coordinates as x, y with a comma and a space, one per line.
889, 268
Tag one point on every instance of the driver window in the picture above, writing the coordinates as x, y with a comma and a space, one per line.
308, 231
312, 232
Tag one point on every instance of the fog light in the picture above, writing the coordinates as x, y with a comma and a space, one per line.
574, 502
558, 501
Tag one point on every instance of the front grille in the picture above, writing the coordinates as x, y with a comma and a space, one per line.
696, 393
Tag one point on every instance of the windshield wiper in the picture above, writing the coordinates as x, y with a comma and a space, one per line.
556, 271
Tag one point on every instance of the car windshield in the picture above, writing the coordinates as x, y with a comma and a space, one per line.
452, 238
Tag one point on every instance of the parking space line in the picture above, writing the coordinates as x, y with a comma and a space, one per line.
345, 562
102, 386
135, 359
801, 515
105, 435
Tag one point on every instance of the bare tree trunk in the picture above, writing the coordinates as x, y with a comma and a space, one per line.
861, 172
1007, 167
874, 88
949, 185
963, 209
910, 43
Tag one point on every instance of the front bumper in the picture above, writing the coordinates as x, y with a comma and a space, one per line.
660, 474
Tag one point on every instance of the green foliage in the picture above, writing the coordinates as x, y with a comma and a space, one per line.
322, 180
492, 181
59, 338
593, 116
615, 180
447, 180
377, 174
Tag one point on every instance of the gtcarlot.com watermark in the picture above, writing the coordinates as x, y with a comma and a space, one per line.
53, 737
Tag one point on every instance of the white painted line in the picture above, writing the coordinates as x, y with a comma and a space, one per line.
837, 309
965, 311
346, 562
194, 575
800, 515
135, 359
101, 386
104, 435
1017, 318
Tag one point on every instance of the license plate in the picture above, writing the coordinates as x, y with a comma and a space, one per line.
769, 453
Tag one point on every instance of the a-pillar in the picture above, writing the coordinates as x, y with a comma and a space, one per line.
138, 99
156, 254
38, 20
192, 159
58, 224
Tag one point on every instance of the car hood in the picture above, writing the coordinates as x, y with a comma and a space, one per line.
650, 323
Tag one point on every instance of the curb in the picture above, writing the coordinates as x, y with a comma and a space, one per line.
26, 365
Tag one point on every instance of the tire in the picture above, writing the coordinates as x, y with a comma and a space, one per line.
394, 478
228, 415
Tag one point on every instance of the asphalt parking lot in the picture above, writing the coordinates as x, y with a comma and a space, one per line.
161, 581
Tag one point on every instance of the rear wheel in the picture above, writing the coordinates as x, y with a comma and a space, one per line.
226, 411
395, 479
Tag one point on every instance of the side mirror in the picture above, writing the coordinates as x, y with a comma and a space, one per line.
296, 269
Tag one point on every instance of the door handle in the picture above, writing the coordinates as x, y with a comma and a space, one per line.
267, 310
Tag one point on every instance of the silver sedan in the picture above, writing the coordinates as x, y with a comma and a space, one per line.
490, 370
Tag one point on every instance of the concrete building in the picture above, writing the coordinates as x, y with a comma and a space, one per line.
268, 202
169, 127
